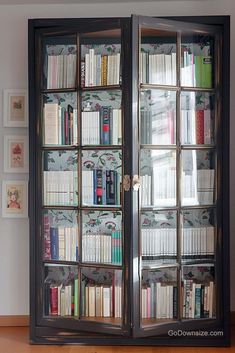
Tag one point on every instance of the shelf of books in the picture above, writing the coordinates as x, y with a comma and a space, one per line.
82, 200
177, 167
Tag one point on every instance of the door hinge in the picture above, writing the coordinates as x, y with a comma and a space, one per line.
136, 182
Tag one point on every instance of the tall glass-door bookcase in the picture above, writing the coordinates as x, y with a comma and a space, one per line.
129, 207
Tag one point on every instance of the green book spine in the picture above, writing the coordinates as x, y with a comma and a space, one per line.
198, 70
206, 71
76, 297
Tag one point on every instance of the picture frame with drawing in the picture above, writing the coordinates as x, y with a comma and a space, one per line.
15, 108
16, 154
14, 199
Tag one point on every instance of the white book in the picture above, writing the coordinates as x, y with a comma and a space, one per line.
106, 301
173, 68
51, 128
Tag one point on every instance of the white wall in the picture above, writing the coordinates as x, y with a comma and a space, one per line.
14, 237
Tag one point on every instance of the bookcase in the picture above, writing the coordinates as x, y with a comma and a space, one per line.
129, 181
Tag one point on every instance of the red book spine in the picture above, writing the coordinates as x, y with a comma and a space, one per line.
54, 300
200, 127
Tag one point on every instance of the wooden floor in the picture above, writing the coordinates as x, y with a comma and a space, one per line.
15, 340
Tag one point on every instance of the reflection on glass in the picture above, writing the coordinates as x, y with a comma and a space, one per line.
198, 235
158, 237
60, 234
60, 62
198, 176
102, 237
60, 291
100, 63
159, 295
101, 118
197, 118
101, 177
197, 61
198, 283
157, 117
157, 57
60, 119
60, 178
101, 294
158, 178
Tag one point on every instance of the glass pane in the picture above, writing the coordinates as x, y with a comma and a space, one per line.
198, 235
197, 118
198, 177
60, 62
60, 234
198, 283
60, 126
197, 61
159, 296
101, 58
101, 118
60, 292
102, 237
101, 295
101, 177
157, 117
157, 57
60, 178
158, 178
158, 237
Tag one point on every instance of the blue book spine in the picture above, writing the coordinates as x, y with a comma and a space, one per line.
54, 243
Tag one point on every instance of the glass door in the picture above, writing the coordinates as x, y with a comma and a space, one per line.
176, 218
82, 168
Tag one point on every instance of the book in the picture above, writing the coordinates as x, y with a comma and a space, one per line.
51, 123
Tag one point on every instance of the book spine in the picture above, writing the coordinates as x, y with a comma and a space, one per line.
54, 300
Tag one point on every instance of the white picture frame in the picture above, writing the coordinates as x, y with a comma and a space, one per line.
14, 199
15, 108
16, 154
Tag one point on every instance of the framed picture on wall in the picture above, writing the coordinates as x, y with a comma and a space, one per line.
16, 153
15, 108
15, 199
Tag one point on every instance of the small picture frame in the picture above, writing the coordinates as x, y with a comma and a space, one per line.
15, 199
16, 153
15, 108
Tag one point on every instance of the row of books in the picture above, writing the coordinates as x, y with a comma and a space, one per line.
157, 128
103, 127
102, 248
61, 71
100, 70
158, 68
198, 242
61, 298
60, 188
198, 299
196, 127
101, 187
60, 243
160, 187
102, 300
158, 245
60, 124
159, 300
196, 70
198, 187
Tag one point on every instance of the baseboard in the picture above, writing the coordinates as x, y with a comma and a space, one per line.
23, 320
14, 320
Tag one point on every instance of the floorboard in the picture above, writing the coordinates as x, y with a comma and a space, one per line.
15, 340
